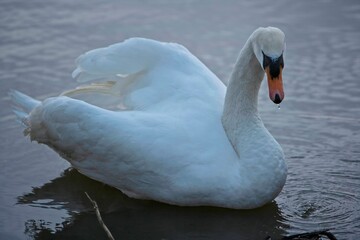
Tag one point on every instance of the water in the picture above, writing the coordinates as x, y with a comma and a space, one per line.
318, 125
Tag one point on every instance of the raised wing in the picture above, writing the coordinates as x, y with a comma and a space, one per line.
143, 74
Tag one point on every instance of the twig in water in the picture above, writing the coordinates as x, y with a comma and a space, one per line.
108, 233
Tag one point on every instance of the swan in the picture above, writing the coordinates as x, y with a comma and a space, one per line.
178, 134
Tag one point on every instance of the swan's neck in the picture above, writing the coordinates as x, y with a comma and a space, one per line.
240, 108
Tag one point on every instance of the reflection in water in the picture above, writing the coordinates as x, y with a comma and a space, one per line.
136, 219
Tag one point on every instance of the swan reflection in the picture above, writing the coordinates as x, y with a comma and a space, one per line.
137, 219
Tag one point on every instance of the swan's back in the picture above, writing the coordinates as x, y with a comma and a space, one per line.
149, 75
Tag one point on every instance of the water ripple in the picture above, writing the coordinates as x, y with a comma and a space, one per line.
326, 197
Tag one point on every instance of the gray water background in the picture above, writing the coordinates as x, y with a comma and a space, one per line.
318, 124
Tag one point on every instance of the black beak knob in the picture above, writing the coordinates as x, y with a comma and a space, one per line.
277, 99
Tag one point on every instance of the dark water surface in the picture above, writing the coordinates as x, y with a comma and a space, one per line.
318, 124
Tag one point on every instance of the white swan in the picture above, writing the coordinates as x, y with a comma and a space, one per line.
181, 137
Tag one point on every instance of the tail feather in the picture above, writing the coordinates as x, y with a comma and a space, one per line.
26, 102
21, 116
22, 106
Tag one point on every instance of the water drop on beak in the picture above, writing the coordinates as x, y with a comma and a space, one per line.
278, 106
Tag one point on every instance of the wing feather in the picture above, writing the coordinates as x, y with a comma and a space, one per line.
143, 73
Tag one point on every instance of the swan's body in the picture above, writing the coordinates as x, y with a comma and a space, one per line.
182, 137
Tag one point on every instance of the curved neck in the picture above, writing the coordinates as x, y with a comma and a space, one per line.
241, 101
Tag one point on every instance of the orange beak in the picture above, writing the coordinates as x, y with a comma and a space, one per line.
276, 90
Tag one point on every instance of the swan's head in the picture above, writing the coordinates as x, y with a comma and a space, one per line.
269, 46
